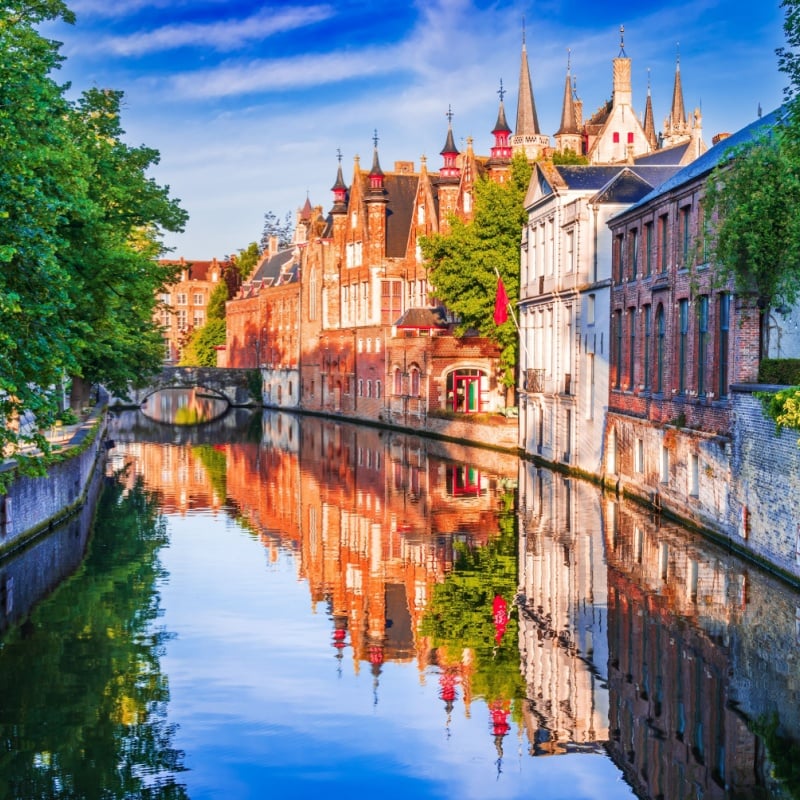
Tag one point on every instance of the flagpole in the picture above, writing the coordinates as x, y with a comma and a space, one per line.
514, 319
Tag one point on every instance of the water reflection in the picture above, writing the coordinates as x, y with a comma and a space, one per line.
184, 406
490, 614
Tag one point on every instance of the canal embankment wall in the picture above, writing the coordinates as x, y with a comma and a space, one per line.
35, 504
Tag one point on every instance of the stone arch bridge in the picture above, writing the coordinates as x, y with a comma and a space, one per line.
240, 387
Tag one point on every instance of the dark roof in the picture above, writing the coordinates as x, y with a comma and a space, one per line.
626, 187
666, 156
423, 318
401, 193
711, 158
274, 271
581, 177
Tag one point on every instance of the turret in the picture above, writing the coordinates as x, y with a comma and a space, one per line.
568, 136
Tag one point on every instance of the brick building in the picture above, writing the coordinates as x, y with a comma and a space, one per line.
183, 303
678, 341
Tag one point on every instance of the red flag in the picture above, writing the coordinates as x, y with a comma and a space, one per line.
500, 303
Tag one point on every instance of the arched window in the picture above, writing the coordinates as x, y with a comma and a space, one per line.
464, 390
378, 389
398, 381
661, 333
414, 379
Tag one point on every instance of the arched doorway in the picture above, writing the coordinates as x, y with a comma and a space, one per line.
464, 390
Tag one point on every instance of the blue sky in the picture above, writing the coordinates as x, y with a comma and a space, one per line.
248, 102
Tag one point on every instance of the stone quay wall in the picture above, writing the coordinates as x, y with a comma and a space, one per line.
35, 504
765, 482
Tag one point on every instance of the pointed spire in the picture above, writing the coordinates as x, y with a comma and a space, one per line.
527, 121
623, 93
501, 150
339, 189
376, 175
450, 170
649, 121
678, 112
569, 123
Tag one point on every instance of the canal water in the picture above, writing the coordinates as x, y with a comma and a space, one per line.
275, 606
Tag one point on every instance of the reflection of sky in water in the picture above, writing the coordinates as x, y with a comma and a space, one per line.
265, 710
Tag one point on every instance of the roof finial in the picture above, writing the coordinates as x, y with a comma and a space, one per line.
339, 154
677, 55
569, 59
648, 81
375, 138
622, 53
523, 30
501, 91
449, 114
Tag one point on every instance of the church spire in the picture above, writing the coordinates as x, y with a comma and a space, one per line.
568, 136
501, 151
527, 138
677, 113
649, 121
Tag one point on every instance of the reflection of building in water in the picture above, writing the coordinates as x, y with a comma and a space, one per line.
179, 474
563, 615
372, 517
675, 604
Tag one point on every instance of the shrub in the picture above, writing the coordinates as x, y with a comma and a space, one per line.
780, 371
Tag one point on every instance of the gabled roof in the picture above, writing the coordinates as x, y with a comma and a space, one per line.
711, 158
625, 187
401, 193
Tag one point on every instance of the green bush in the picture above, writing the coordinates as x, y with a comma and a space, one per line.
780, 371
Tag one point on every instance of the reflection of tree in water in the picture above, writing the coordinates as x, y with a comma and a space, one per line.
474, 631
82, 700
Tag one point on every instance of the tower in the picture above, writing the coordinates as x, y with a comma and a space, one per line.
527, 138
500, 156
568, 136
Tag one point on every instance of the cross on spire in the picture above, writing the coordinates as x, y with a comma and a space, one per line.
449, 114
501, 91
375, 138
622, 53
339, 154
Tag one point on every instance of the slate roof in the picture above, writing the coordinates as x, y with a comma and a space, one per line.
401, 192
665, 156
278, 270
579, 177
711, 158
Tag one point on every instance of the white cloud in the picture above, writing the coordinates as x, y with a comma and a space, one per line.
223, 35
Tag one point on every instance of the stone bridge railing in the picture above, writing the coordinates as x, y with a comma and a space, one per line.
240, 387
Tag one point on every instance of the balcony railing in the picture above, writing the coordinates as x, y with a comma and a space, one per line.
534, 381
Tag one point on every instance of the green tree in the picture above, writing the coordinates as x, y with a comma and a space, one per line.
247, 259
113, 240
273, 226
465, 262
201, 349
80, 233
569, 156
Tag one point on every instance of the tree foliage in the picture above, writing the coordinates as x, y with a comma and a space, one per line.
80, 232
200, 351
755, 238
247, 259
273, 226
465, 262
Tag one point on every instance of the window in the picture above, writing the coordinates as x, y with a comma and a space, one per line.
664, 464
702, 343
638, 456
198, 319
369, 388
683, 340
360, 345
360, 387
414, 392
590, 309
631, 347
570, 259
660, 332
398, 381
648, 253
722, 343
619, 257
685, 237
590, 387
634, 253
694, 475
662, 243
377, 345
648, 339
391, 301
618, 349
378, 389
198, 298
616, 137
630, 137
181, 298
